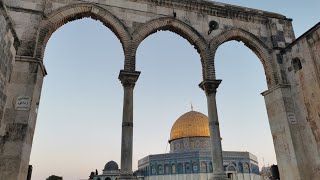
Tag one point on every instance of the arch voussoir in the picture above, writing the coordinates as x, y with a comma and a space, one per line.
173, 25
77, 11
251, 41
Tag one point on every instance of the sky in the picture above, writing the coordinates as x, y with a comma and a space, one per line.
80, 115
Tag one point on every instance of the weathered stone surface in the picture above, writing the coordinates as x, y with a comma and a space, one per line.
293, 98
8, 44
305, 84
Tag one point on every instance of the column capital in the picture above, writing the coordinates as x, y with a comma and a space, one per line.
210, 86
128, 78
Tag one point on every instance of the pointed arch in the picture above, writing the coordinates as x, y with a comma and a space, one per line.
252, 42
231, 168
175, 26
78, 11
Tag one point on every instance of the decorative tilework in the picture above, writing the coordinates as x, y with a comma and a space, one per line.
192, 161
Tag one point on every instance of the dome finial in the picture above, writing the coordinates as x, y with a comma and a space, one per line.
191, 106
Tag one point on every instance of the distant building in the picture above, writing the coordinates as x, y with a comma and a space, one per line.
110, 172
189, 157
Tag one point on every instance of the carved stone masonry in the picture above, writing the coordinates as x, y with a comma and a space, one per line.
214, 9
210, 86
129, 79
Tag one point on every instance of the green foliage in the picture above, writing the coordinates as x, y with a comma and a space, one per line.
53, 177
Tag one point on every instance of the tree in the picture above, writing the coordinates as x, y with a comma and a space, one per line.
53, 177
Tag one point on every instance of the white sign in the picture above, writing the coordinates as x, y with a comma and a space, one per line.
23, 103
292, 118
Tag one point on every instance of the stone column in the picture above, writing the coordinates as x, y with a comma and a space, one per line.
128, 80
19, 120
210, 88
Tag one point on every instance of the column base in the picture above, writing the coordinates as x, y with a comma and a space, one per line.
219, 176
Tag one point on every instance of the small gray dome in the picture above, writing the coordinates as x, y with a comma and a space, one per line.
111, 165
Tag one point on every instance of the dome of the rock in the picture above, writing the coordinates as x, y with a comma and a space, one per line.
190, 124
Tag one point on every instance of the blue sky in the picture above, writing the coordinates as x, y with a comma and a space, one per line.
80, 115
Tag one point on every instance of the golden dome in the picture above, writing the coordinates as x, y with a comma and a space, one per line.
190, 124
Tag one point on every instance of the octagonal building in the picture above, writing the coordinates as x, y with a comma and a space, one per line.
190, 155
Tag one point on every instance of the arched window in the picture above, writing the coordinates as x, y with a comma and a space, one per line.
108, 178
166, 169
160, 169
296, 63
180, 168
188, 170
203, 166
240, 167
173, 168
98, 179
153, 170
246, 168
195, 167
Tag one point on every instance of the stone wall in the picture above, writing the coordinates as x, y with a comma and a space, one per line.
8, 44
26, 16
302, 62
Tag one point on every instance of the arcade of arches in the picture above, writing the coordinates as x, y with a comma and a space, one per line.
291, 66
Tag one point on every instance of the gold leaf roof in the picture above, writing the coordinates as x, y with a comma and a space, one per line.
190, 124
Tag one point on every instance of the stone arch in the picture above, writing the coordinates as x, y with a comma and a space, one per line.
78, 11
252, 42
173, 25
